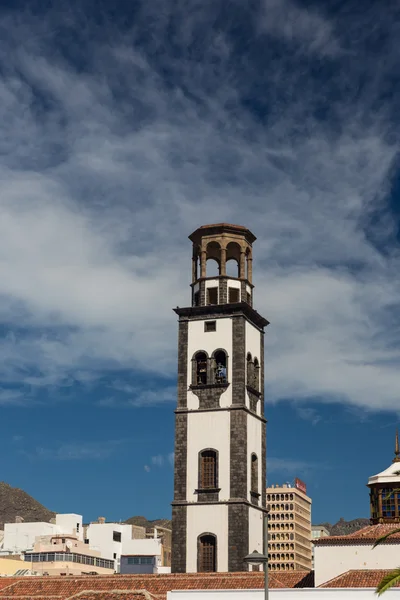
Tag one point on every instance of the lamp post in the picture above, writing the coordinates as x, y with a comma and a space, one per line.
255, 558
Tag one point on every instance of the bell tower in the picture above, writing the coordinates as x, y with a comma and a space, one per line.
220, 428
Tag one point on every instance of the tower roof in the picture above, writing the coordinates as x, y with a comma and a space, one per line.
220, 228
392, 473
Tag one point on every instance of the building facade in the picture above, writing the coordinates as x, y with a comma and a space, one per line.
334, 555
20, 536
289, 528
66, 554
220, 428
117, 540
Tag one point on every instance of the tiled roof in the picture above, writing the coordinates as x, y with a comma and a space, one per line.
367, 535
357, 579
154, 585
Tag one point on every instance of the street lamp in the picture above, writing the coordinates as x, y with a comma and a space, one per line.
255, 558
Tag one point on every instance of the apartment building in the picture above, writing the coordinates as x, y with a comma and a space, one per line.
289, 527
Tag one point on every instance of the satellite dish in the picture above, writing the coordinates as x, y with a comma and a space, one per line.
69, 545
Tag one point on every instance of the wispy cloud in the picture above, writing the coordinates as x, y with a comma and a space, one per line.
112, 157
136, 396
78, 451
160, 461
308, 414
290, 467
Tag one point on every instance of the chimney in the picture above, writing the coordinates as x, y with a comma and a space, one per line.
19, 519
101, 520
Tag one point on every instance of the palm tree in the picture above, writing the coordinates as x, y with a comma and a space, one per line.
392, 578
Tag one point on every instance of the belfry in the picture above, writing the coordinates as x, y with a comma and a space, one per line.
220, 427
385, 494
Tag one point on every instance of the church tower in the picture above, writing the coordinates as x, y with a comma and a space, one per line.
220, 428
384, 494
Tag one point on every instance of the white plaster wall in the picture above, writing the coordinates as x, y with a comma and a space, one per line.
208, 430
205, 518
331, 561
254, 445
145, 547
253, 341
234, 283
100, 536
253, 345
281, 594
198, 339
21, 536
70, 523
248, 289
255, 530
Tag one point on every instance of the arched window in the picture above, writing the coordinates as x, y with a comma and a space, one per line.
201, 360
220, 366
254, 474
213, 257
207, 553
249, 369
208, 469
256, 375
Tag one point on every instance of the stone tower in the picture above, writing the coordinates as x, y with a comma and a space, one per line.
220, 428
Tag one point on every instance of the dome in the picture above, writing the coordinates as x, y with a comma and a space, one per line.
389, 475
392, 473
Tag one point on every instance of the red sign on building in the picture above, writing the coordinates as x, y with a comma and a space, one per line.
300, 485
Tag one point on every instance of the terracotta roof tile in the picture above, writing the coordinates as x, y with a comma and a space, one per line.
367, 535
357, 579
154, 585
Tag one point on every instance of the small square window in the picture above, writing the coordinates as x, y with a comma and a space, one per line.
210, 326
116, 536
233, 294
212, 295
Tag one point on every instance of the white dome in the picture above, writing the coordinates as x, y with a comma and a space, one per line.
389, 475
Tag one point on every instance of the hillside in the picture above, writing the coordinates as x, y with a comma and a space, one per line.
343, 527
143, 522
17, 503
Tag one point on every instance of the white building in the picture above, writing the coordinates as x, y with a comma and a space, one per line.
334, 555
116, 539
21, 536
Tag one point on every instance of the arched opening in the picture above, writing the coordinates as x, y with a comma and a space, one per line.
213, 257
232, 267
213, 268
220, 366
248, 265
207, 553
256, 375
208, 469
249, 370
233, 260
254, 474
201, 360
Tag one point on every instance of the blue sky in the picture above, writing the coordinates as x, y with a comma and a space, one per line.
123, 127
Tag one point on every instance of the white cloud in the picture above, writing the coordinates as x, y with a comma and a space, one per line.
160, 461
290, 467
77, 450
107, 169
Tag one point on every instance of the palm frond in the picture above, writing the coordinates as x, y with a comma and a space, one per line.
388, 581
383, 538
